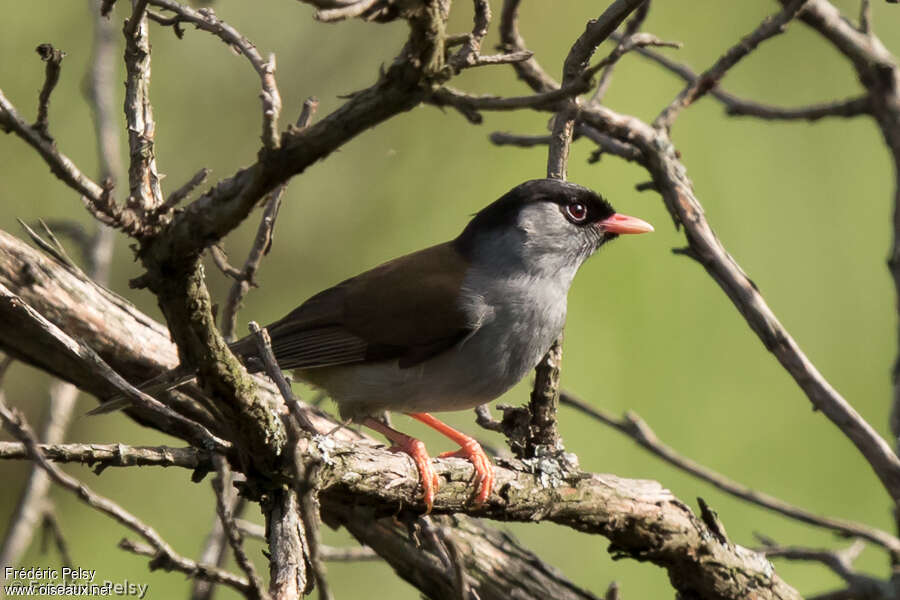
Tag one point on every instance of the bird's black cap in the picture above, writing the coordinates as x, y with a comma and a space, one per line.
504, 211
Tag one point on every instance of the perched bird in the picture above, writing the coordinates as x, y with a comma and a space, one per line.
452, 326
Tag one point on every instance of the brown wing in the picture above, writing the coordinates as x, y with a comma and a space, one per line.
405, 309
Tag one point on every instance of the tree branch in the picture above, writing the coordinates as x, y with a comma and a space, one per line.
638, 430
736, 106
770, 27
206, 20
101, 456
53, 58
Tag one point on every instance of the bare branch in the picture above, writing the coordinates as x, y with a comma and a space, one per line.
638, 430
181, 564
214, 549
51, 529
631, 27
770, 27
627, 44
60, 164
737, 106
467, 104
511, 40
53, 58
468, 55
523, 141
221, 484
246, 277
865, 16
206, 19
841, 563
101, 456
179, 195
145, 195
349, 11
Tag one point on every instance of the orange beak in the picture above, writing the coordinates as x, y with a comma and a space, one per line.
625, 224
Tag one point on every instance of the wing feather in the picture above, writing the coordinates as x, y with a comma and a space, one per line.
407, 309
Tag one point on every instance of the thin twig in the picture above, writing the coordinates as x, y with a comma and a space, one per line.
101, 456
214, 549
631, 27
262, 243
865, 16
638, 430
612, 592
770, 27
178, 196
468, 54
53, 58
530, 71
246, 277
840, 562
328, 553
185, 565
501, 138
52, 530
222, 484
736, 106
626, 45
60, 164
264, 345
206, 19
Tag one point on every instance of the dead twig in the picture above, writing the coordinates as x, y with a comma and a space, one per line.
770, 27
53, 57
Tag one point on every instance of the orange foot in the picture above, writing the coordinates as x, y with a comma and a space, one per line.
469, 449
416, 449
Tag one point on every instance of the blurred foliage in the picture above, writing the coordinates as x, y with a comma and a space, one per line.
804, 208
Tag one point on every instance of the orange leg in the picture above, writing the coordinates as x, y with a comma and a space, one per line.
470, 449
416, 449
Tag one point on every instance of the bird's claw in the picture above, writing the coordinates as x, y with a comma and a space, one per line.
483, 476
427, 475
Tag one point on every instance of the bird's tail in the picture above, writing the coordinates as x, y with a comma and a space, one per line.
162, 383
245, 349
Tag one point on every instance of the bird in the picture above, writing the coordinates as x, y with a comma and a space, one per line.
452, 326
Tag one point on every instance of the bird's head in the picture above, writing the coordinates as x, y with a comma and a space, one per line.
544, 226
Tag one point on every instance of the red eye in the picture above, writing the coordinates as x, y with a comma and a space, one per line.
576, 212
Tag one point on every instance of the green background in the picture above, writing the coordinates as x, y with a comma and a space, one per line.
804, 208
